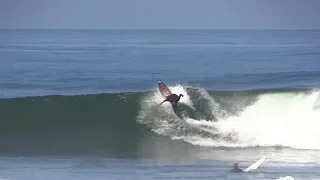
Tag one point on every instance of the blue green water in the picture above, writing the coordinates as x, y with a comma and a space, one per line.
83, 104
39, 62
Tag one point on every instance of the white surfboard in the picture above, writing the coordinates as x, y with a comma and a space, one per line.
255, 165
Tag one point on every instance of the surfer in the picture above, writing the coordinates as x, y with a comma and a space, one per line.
166, 93
173, 98
236, 169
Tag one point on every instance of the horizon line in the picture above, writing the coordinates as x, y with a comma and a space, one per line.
279, 29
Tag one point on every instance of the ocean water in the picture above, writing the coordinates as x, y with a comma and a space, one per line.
84, 104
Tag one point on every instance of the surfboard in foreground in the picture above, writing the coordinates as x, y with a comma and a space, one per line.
164, 90
255, 165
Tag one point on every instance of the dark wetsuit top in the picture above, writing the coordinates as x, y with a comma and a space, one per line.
236, 170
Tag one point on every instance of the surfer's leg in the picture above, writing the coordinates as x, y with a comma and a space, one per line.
175, 103
174, 106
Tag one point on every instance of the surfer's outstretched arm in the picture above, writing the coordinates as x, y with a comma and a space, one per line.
163, 101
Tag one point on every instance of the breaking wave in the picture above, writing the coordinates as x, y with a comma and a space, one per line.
236, 119
125, 124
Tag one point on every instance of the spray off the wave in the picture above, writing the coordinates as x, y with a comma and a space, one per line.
285, 119
282, 119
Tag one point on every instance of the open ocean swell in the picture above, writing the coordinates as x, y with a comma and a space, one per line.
71, 62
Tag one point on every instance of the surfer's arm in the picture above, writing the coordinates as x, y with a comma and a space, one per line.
163, 101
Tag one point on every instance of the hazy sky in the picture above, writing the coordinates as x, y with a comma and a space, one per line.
163, 14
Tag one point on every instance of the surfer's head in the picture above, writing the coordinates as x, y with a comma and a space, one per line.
235, 165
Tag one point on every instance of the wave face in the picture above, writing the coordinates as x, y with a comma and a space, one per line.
83, 124
125, 124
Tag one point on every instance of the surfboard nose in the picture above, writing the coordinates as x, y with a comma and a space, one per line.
159, 81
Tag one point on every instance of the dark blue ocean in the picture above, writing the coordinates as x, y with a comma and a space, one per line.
84, 104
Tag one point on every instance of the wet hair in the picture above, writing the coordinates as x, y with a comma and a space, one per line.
235, 165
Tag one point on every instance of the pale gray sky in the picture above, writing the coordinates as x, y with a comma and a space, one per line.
160, 14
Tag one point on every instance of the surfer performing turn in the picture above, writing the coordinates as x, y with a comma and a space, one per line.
166, 93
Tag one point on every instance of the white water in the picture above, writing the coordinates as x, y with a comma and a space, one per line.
286, 178
284, 119
278, 119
